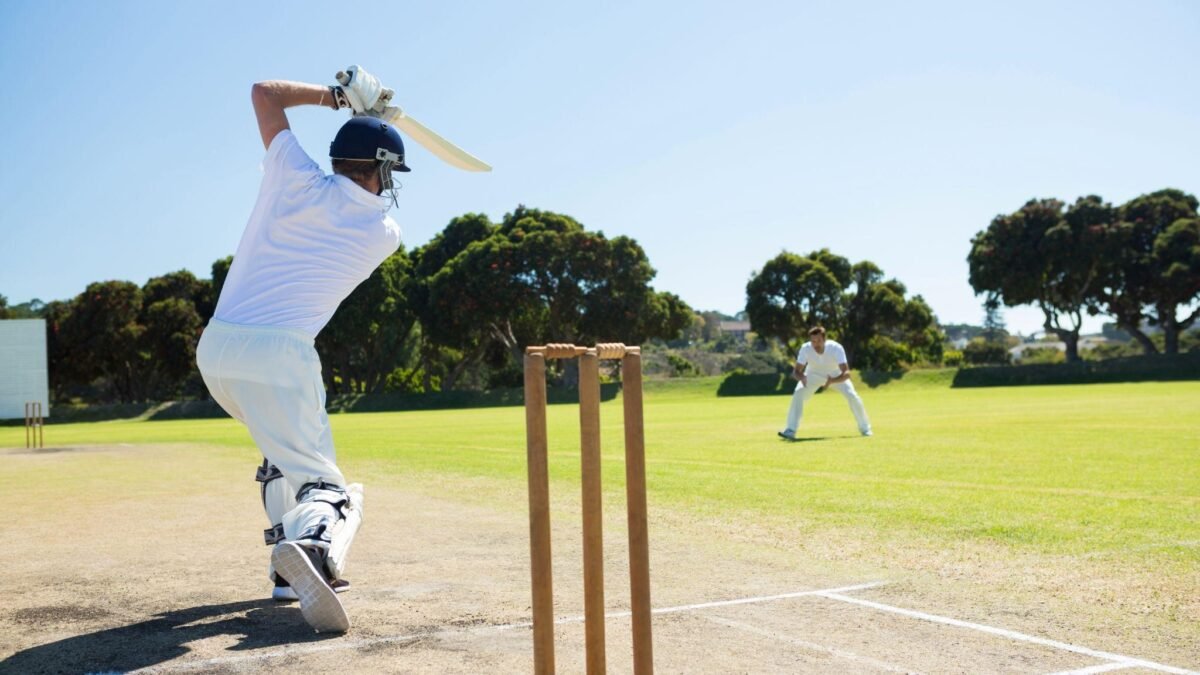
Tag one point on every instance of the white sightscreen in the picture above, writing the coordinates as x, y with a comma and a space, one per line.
23, 374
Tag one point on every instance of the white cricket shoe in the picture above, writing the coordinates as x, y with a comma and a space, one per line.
283, 591
318, 602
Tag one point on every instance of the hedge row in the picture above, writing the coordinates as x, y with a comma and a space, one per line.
1152, 368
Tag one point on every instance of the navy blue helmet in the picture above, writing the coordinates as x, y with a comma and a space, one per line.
369, 138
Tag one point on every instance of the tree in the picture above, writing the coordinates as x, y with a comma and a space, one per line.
447, 349
182, 285
1157, 269
62, 373
170, 331
539, 277
102, 337
368, 337
879, 327
993, 321
712, 325
220, 270
1048, 257
791, 294
982, 352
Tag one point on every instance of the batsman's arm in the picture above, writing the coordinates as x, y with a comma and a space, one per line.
271, 98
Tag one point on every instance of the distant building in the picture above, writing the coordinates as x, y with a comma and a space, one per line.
1086, 342
737, 329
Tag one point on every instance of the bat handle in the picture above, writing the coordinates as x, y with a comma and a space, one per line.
343, 78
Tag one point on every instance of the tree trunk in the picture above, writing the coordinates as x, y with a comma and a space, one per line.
504, 333
1072, 342
1070, 338
1143, 339
461, 367
1170, 338
1173, 328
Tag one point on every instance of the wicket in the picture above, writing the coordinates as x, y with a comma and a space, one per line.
34, 434
539, 502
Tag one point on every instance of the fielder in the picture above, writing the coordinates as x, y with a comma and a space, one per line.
310, 240
822, 363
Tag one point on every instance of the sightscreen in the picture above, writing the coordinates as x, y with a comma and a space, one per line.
23, 367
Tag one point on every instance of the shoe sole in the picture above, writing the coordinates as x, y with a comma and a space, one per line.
318, 603
286, 594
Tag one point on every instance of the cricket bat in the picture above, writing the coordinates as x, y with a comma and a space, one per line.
429, 139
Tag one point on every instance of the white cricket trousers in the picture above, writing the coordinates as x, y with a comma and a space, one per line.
269, 378
803, 393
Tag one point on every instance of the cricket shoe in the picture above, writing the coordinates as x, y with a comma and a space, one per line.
283, 591
787, 434
318, 602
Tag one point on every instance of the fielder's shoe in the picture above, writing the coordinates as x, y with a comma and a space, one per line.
318, 602
283, 591
787, 434
867, 433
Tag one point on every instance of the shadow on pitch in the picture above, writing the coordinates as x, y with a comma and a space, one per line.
808, 439
256, 624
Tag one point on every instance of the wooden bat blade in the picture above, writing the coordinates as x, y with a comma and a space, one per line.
444, 149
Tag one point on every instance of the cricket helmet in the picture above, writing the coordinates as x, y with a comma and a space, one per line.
366, 138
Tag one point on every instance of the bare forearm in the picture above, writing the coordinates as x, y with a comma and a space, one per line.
286, 94
272, 97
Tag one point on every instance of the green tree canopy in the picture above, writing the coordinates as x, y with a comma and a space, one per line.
791, 294
181, 285
869, 314
1157, 268
1046, 255
369, 335
101, 336
167, 345
539, 277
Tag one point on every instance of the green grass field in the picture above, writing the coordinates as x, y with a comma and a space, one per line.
1103, 471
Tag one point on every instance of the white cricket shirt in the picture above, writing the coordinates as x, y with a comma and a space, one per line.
310, 241
822, 364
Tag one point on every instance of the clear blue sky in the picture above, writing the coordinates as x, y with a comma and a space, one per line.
715, 133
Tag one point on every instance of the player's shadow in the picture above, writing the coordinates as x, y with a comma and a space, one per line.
804, 439
255, 623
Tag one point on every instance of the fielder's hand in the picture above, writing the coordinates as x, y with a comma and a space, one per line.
361, 92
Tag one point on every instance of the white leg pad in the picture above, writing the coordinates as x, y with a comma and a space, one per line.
278, 499
327, 518
345, 529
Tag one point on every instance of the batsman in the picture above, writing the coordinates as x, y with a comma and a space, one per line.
310, 240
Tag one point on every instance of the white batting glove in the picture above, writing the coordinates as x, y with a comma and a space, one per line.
361, 91
388, 114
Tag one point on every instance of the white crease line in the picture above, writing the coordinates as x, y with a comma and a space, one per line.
748, 601
811, 646
446, 632
1101, 668
1129, 661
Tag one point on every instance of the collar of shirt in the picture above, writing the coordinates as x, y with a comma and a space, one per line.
357, 193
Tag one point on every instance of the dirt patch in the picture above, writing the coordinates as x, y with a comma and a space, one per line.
38, 616
441, 584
